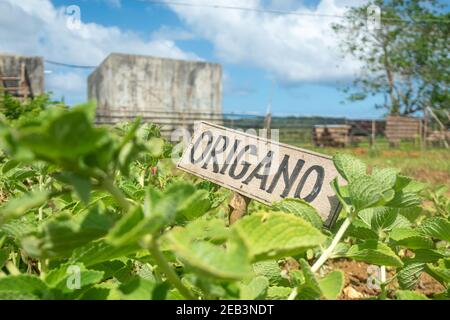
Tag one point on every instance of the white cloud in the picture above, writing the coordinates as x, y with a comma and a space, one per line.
36, 27
294, 48
172, 33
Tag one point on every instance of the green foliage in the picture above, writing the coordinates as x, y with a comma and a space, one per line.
398, 58
108, 203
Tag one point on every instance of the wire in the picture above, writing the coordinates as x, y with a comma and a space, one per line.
69, 65
280, 12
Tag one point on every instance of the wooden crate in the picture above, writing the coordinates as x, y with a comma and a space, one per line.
403, 128
331, 135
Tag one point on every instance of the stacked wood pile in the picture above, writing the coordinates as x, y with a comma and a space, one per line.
402, 128
438, 137
331, 135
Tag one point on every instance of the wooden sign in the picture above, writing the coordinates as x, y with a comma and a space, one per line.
261, 169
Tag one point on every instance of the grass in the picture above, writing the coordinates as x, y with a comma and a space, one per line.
431, 165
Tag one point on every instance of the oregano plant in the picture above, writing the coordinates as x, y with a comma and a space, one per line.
90, 212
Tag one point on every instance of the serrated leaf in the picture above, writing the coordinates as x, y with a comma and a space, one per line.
272, 235
228, 261
440, 274
99, 251
410, 295
309, 289
436, 227
385, 177
374, 252
255, 290
365, 192
360, 230
349, 167
58, 278
23, 284
300, 208
58, 237
404, 200
383, 219
271, 270
409, 275
410, 238
332, 284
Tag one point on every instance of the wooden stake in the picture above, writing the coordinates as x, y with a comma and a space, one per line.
373, 133
238, 207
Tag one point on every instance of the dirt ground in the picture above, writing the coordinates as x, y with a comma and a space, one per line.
356, 284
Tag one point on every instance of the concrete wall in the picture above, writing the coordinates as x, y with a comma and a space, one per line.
10, 66
129, 85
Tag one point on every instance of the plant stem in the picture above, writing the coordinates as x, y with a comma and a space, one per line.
109, 186
383, 274
168, 271
327, 253
12, 269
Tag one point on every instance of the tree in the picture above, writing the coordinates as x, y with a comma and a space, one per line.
407, 59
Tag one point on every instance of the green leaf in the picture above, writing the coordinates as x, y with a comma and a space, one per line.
372, 251
59, 236
410, 238
441, 274
99, 251
383, 219
436, 227
385, 177
271, 270
227, 261
427, 255
342, 194
59, 278
255, 290
67, 136
300, 208
9, 165
23, 284
358, 229
133, 226
272, 235
404, 200
409, 275
310, 288
365, 192
82, 185
137, 289
4, 255
349, 167
195, 205
332, 284
278, 293
16, 207
155, 147
410, 295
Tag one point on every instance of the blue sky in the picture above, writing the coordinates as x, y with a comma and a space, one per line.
294, 59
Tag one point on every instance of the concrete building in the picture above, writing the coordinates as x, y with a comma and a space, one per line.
22, 76
168, 92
